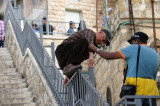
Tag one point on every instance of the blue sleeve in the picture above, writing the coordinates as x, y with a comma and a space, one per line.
127, 51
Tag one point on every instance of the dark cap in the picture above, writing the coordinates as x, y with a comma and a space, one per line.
108, 36
139, 35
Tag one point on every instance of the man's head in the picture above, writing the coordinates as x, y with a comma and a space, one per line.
44, 19
71, 24
103, 37
138, 38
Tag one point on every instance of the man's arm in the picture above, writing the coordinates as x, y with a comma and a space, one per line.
90, 61
106, 55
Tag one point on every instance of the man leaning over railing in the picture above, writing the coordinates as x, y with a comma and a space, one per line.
148, 65
74, 50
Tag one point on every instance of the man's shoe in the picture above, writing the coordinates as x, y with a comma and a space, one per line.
67, 67
71, 69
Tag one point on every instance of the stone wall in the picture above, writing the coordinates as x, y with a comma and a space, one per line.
28, 68
108, 73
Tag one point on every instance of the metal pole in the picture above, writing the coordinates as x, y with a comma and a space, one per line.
91, 75
97, 15
47, 28
81, 24
19, 14
24, 20
91, 93
131, 15
53, 54
41, 34
15, 4
154, 31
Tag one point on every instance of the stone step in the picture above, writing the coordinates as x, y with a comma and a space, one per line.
10, 77
15, 90
5, 57
19, 104
8, 74
16, 85
15, 100
2, 50
6, 65
16, 95
6, 61
11, 81
8, 70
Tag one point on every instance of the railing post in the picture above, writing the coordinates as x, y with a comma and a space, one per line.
53, 54
92, 95
47, 27
41, 34
138, 102
70, 97
19, 14
15, 3
91, 75
24, 20
81, 24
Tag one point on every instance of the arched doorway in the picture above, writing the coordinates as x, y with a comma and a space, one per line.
109, 96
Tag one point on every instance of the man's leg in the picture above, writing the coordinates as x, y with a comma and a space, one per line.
145, 102
79, 53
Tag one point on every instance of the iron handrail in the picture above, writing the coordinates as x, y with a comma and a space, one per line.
134, 97
24, 43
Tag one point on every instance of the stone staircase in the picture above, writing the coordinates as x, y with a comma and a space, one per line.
13, 89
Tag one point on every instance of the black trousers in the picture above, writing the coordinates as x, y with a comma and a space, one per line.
145, 102
1, 43
72, 52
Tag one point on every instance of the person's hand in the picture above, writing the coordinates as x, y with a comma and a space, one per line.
65, 80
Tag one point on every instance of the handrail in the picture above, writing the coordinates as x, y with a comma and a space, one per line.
137, 100
28, 39
63, 94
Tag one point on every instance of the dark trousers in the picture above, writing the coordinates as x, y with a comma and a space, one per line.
145, 102
72, 52
1, 43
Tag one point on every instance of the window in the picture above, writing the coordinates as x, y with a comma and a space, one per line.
76, 0
35, 2
74, 16
109, 96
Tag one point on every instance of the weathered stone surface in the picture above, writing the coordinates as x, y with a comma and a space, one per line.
114, 69
28, 68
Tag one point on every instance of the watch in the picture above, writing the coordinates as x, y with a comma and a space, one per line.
97, 50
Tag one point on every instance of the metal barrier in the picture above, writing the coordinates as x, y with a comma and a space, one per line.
136, 100
63, 94
60, 28
81, 92
28, 39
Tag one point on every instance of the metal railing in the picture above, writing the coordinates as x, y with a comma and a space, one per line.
137, 100
63, 94
59, 28
28, 39
81, 92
